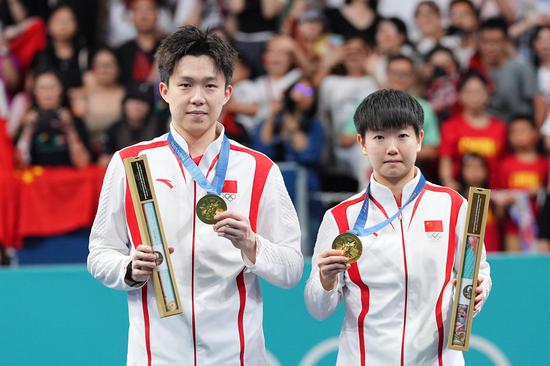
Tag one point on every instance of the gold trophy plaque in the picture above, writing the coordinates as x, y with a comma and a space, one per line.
152, 233
472, 245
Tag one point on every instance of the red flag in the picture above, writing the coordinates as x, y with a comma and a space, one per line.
230, 186
433, 226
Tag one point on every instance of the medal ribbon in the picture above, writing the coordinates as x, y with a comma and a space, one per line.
193, 169
359, 228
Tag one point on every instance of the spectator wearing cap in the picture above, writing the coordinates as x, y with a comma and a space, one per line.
138, 122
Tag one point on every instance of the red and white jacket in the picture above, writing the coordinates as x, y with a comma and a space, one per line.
398, 296
221, 322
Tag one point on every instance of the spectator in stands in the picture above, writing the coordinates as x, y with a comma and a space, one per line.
280, 62
24, 32
524, 172
391, 39
171, 15
294, 133
475, 173
138, 122
471, 130
257, 24
312, 38
238, 115
338, 97
441, 74
462, 30
50, 135
357, 18
104, 94
136, 57
427, 17
541, 47
515, 88
64, 51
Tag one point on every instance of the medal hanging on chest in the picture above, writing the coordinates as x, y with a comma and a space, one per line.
212, 203
349, 241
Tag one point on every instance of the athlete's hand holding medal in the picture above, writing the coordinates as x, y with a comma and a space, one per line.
212, 209
347, 247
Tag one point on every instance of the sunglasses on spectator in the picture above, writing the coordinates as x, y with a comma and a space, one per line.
303, 89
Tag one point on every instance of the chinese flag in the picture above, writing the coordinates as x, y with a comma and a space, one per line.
433, 226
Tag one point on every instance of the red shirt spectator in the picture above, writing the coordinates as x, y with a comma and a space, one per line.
459, 137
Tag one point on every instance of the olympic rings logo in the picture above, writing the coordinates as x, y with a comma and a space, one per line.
434, 235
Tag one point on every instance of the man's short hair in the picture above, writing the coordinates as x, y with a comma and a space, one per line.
468, 3
523, 117
191, 41
388, 109
400, 57
495, 23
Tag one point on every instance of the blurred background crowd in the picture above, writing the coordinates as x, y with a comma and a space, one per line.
78, 82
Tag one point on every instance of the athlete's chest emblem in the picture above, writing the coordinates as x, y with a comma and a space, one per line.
433, 229
229, 190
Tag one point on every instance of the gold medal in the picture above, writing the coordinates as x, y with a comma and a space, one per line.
350, 244
208, 206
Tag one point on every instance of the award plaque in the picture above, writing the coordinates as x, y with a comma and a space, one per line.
152, 234
464, 297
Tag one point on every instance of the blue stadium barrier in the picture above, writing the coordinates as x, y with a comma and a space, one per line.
61, 316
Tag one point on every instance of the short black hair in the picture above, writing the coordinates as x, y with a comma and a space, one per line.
439, 48
429, 3
388, 109
472, 74
523, 117
400, 57
495, 23
468, 3
191, 41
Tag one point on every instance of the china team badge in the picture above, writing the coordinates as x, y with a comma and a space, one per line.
433, 229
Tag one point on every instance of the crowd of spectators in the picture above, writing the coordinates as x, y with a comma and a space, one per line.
78, 82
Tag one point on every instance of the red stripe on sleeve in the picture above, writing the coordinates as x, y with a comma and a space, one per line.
131, 220
456, 203
263, 166
340, 215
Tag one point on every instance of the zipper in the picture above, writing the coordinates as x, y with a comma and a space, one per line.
193, 273
406, 290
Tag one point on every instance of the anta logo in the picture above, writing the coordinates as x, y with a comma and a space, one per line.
166, 181
229, 190
433, 229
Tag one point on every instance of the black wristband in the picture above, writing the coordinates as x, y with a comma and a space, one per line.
128, 277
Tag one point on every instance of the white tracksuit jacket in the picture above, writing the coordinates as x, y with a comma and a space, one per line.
221, 322
398, 296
